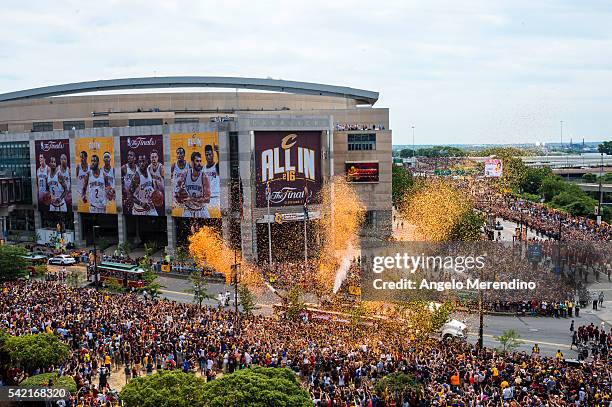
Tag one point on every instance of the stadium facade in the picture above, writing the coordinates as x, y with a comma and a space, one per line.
152, 166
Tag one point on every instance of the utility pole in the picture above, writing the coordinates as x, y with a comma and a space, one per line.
559, 248
96, 277
600, 191
561, 134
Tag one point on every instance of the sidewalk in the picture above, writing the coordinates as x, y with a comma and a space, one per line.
604, 313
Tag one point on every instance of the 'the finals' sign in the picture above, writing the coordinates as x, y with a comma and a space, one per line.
288, 161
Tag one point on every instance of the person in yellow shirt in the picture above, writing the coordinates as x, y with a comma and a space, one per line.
504, 384
559, 355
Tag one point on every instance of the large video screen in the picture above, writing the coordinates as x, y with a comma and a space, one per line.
290, 163
361, 172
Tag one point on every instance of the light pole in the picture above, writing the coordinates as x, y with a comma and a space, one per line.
561, 134
413, 150
600, 191
96, 278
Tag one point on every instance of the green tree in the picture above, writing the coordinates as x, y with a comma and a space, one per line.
42, 380
149, 276
257, 387
125, 248
401, 182
398, 387
551, 186
74, 278
199, 287
164, 389
247, 299
294, 303
509, 340
34, 351
605, 147
468, 227
590, 177
12, 263
533, 179
406, 153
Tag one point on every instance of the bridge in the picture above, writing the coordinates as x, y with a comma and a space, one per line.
594, 187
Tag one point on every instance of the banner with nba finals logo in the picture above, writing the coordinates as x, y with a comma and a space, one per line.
53, 175
194, 170
95, 175
290, 161
142, 175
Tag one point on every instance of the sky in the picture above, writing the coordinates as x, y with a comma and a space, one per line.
458, 71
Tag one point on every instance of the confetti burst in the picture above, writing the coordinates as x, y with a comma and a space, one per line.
434, 207
343, 213
208, 249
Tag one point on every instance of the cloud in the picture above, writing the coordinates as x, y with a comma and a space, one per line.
467, 71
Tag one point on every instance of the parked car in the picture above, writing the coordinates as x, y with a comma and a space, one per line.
62, 260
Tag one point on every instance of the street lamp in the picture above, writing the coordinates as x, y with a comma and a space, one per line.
96, 278
235, 271
600, 191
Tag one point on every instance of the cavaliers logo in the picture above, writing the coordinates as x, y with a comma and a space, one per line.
288, 141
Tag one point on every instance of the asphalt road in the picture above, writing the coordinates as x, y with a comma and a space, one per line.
550, 333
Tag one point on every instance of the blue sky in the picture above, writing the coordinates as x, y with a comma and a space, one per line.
459, 71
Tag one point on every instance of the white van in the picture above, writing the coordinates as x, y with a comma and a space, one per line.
454, 329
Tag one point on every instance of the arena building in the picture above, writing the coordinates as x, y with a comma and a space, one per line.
138, 166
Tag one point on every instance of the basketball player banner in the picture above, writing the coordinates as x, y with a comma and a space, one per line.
194, 171
53, 175
289, 161
142, 175
95, 175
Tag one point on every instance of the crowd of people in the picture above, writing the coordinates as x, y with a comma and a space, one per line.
125, 334
545, 221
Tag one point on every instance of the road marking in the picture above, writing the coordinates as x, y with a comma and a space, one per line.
559, 345
176, 292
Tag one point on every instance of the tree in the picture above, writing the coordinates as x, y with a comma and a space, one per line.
12, 263
36, 351
509, 340
198, 288
533, 179
295, 305
247, 299
406, 153
149, 276
42, 380
74, 278
551, 186
468, 228
125, 248
589, 177
164, 389
398, 387
605, 147
401, 182
256, 387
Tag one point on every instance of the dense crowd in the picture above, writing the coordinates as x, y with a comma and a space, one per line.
339, 364
545, 221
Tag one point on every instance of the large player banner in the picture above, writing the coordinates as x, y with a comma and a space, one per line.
142, 175
95, 174
194, 170
53, 175
289, 161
